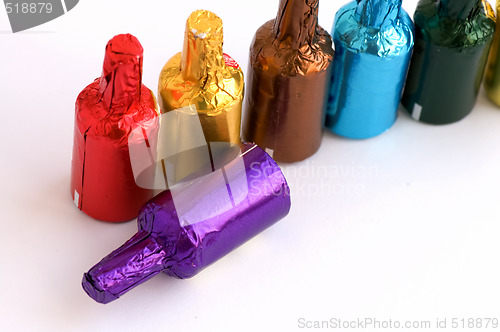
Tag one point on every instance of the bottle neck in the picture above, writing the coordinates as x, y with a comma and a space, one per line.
135, 262
202, 51
377, 13
296, 22
120, 82
459, 9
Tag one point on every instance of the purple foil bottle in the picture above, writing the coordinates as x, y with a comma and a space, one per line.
190, 226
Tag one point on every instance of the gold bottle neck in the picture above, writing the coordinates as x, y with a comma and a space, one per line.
202, 51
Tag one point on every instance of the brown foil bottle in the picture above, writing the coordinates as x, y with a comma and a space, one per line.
287, 82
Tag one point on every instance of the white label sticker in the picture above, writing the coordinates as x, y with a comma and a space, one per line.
417, 111
270, 152
77, 198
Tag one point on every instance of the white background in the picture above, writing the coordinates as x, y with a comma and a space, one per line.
404, 226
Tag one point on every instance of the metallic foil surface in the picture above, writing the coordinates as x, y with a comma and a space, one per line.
492, 75
373, 45
190, 226
288, 81
205, 78
452, 41
107, 110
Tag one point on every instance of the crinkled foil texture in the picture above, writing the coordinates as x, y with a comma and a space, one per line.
102, 173
210, 81
259, 197
181, 236
369, 71
287, 93
461, 34
135, 262
448, 61
107, 111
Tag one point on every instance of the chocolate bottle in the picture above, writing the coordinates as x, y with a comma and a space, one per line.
373, 45
205, 79
190, 226
492, 74
452, 41
107, 111
287, 82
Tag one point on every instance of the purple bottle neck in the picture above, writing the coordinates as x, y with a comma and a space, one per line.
377, 13
135, 262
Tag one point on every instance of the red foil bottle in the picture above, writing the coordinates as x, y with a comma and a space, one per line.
107, 111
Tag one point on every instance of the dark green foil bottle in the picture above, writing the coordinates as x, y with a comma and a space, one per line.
452, 40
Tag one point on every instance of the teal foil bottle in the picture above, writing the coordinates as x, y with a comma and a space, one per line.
452, 41
373, 44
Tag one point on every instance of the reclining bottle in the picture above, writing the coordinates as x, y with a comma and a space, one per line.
191, 225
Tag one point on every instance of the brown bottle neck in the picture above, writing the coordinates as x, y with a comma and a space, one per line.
296, 22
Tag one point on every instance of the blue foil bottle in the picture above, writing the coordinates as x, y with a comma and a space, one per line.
373, 45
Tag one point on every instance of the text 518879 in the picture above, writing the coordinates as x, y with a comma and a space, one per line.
28, 7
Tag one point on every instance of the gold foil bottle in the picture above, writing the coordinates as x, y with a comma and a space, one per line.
204, 79
288, 81
492, 76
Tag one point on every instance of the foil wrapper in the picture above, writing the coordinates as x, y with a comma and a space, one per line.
492, 75
373, 45
107, 111
190, 226
288, 80
206, 79
452, 41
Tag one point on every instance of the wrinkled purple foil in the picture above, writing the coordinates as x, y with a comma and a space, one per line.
187, 228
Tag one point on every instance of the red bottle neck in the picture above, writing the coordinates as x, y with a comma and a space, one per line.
120, 82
